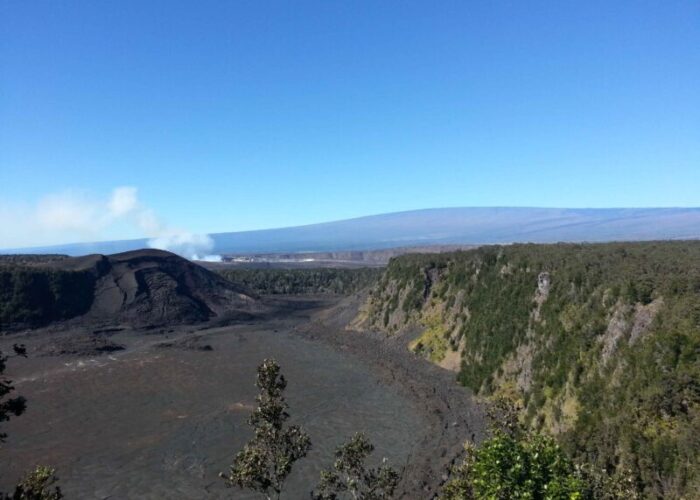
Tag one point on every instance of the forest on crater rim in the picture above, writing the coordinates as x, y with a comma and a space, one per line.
597, 343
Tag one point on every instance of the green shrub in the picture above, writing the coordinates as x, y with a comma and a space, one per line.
507, 467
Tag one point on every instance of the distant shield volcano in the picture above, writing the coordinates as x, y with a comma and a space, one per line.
444, 226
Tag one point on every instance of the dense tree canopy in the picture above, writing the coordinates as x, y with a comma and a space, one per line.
328, 281
600, 343
34, 296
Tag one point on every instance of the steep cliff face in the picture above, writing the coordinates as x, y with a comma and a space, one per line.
31, 296
141, 289
598, 343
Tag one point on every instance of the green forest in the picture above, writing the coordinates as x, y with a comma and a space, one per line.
35, 296
323, 281
597, 343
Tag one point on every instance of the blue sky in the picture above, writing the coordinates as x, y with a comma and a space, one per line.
232, 115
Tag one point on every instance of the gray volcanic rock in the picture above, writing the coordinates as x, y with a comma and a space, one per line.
153, 287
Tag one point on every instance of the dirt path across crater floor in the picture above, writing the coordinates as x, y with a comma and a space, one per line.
160, 414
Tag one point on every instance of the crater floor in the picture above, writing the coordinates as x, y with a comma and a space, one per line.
161, 418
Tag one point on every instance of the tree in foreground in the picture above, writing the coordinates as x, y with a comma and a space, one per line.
350, 478
9, 407
513, 463
506, 466
39, 483
265, 462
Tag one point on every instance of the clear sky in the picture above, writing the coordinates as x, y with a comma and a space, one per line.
232, 115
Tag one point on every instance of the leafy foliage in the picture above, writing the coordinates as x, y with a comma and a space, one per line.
514, 463
605, 357
34, 296
505, 467
350, 477
9, 407
39, 484
600, 485
324, 281
266, 461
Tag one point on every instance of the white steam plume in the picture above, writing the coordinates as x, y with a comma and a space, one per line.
189, 245
74, 215
183, 243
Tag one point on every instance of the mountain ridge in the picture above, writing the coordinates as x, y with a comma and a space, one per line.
439, 226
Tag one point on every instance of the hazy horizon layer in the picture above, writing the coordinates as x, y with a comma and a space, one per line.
436, 227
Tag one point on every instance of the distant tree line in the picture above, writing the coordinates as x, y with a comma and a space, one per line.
32, 259
322, 281
34, 296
